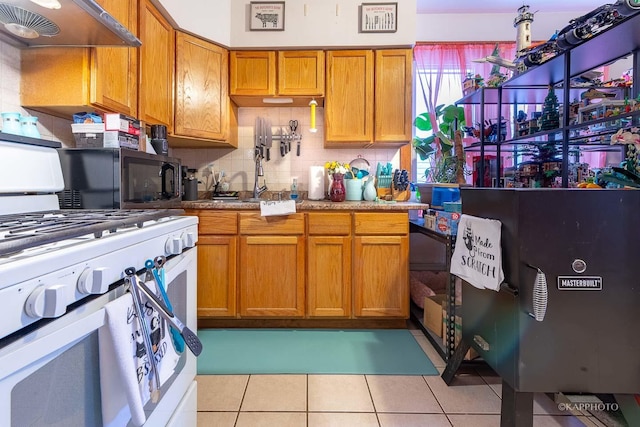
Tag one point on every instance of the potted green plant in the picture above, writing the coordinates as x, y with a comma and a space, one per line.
444, 146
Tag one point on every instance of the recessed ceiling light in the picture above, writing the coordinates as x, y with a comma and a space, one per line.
49, 4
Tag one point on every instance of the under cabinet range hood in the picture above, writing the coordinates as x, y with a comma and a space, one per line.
41, 23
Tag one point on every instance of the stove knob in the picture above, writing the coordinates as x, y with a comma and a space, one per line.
46, 301
189, 239
173, 245
92, 281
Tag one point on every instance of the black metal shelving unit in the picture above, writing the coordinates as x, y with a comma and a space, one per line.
531, 87
445, 351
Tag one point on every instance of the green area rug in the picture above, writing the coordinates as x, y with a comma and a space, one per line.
312, 351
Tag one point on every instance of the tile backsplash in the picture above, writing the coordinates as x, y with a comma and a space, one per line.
239, 165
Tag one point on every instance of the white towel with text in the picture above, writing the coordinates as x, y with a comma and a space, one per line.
477, 258
124, 365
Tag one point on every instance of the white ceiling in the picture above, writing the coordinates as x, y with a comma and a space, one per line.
508, 6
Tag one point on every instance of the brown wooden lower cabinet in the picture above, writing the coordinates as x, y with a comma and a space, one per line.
381, 264
272, 276
217, 276
329, 265
381, 276
329, 276
320, 266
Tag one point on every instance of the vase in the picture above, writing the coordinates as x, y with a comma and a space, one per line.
370, 192
337, 192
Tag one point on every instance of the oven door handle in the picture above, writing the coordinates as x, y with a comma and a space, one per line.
190, 338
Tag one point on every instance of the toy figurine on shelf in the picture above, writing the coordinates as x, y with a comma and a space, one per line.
472, 83
627, 136
496, 79
588, 95
522, 125
599, 19
550, 112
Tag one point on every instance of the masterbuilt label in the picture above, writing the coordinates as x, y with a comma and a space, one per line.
579, 283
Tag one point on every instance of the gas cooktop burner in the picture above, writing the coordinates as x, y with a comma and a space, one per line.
24, 231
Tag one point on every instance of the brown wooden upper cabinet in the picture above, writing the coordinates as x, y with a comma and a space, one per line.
203, 113
301, 72
62, 81
348, 112
252, 73
155, 102
393, 112
368, 97
257, 74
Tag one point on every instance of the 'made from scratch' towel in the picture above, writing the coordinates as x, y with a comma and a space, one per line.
477, 258
124, 365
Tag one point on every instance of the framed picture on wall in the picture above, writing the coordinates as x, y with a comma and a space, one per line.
379, 17
266, 16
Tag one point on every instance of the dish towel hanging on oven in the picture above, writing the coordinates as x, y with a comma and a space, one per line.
477, 258
124, 366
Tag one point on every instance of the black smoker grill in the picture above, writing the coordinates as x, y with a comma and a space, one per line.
586, 244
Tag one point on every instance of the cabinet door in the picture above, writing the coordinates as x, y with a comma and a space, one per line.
381, 276
329, 276
156, 67
252, 73
393, 96
114, 70
272, 276
348, 109
217, 276
201, 109
329, 264
62, 81
301, 72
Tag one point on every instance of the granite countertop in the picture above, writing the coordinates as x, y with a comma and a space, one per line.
307, 205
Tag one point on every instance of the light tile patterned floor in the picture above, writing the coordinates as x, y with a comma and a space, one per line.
473, 399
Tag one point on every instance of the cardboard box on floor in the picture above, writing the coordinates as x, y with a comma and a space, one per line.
433, 313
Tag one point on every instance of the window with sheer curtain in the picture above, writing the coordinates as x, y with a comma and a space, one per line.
440, 69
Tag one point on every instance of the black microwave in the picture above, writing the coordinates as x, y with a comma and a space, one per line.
118, 178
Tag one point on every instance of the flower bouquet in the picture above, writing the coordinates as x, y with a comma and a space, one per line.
336, 167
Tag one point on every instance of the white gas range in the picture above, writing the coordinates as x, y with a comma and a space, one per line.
60, 271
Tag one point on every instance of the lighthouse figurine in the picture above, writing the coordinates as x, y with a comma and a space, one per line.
522, 23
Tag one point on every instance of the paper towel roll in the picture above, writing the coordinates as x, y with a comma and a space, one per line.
316, 183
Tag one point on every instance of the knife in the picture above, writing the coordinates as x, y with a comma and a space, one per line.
269, 140
283, 144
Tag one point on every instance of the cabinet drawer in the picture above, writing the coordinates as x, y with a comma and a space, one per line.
253, 223
216, 222
329, 224
381, 223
